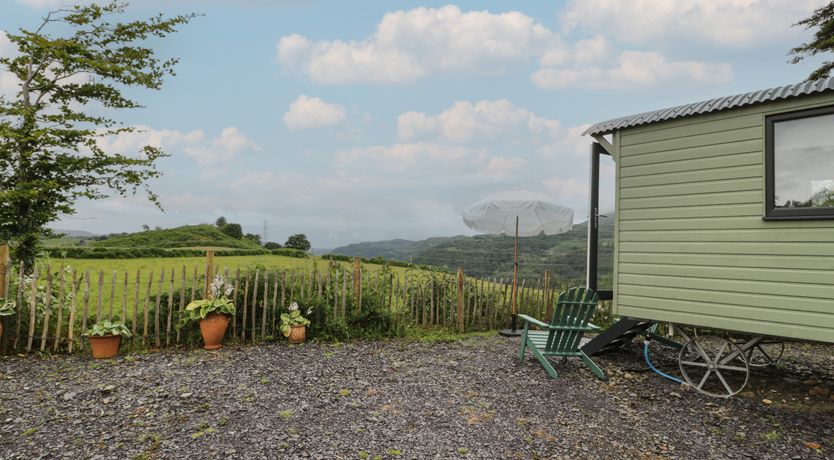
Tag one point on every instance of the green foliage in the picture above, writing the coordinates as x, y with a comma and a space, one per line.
7, 307
233, 231
492, 256
823, 21
272, 245
199, 309
298, 241
107, 327
253, 238
293, 318
188, 236
49, 154
140, 253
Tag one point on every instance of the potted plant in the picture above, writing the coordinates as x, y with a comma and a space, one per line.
7, 307
105, 338
293, 325
213, 313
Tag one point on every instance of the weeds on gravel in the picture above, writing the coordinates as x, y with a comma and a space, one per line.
771, 436
286, 413
463, 450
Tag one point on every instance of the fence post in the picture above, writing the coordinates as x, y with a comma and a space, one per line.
548, 304
357, 283
4, 267
460, 300
209, 274
4, 264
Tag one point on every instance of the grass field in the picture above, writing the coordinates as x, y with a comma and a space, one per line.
113, 292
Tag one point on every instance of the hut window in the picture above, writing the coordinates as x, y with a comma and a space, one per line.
799, 165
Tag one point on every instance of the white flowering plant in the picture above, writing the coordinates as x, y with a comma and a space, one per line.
220, 290
293, 318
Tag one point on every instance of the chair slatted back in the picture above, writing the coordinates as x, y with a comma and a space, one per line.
572, 313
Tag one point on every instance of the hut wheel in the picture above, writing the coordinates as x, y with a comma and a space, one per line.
714, 366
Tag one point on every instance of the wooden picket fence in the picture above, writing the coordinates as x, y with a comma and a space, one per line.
55, 305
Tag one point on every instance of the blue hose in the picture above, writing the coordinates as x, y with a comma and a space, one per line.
651, 366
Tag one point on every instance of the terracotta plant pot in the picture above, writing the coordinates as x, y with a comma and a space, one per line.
105, 346
213, 328
297, 334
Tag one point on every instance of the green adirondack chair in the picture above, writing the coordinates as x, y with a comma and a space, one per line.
562, 336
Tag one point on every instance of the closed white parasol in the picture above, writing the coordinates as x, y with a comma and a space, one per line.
519, 212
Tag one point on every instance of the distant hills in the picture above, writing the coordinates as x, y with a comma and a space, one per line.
492, 256
74, 233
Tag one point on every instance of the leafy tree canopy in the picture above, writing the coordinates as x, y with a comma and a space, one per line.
253, 237
298, 241
233, 230
69, 84
823, 21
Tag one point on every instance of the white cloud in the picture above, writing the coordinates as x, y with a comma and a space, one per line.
9, 84
465, 121
732, 23
408, 45
312, 112
567, 189
632, 69
143, 135
431, 160
228, 144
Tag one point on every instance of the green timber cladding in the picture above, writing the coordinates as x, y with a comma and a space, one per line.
691, 245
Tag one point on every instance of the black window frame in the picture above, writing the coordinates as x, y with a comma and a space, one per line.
772, 212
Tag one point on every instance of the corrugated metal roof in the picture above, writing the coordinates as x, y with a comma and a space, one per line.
714, 105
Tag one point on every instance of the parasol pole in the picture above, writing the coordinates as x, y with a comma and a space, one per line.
515, 277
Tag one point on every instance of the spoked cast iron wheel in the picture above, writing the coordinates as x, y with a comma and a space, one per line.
714, 366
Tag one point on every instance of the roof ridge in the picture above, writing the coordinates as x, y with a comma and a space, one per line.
713, 105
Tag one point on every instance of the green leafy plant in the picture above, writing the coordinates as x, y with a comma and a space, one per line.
293, 318
199, 309
107, 327
219, 303
7, 307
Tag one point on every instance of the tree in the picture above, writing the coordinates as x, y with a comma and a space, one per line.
272, 245
68, 83
146, 228
233, 230
220, 222
298, 241
823, 42
253, 237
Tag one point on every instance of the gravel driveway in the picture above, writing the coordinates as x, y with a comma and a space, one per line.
397, 399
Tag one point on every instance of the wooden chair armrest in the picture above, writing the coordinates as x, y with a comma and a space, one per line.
534, 321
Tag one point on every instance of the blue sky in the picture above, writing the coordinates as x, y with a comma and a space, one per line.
359, 121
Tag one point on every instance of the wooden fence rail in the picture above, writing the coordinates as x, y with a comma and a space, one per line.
56, 304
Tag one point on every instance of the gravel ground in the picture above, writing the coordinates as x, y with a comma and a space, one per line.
399, 399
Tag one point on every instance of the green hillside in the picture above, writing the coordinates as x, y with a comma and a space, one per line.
398, 249
189, 236
492, 256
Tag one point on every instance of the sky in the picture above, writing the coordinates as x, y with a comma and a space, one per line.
363, 121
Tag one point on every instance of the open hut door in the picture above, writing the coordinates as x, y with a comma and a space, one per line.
599, 272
